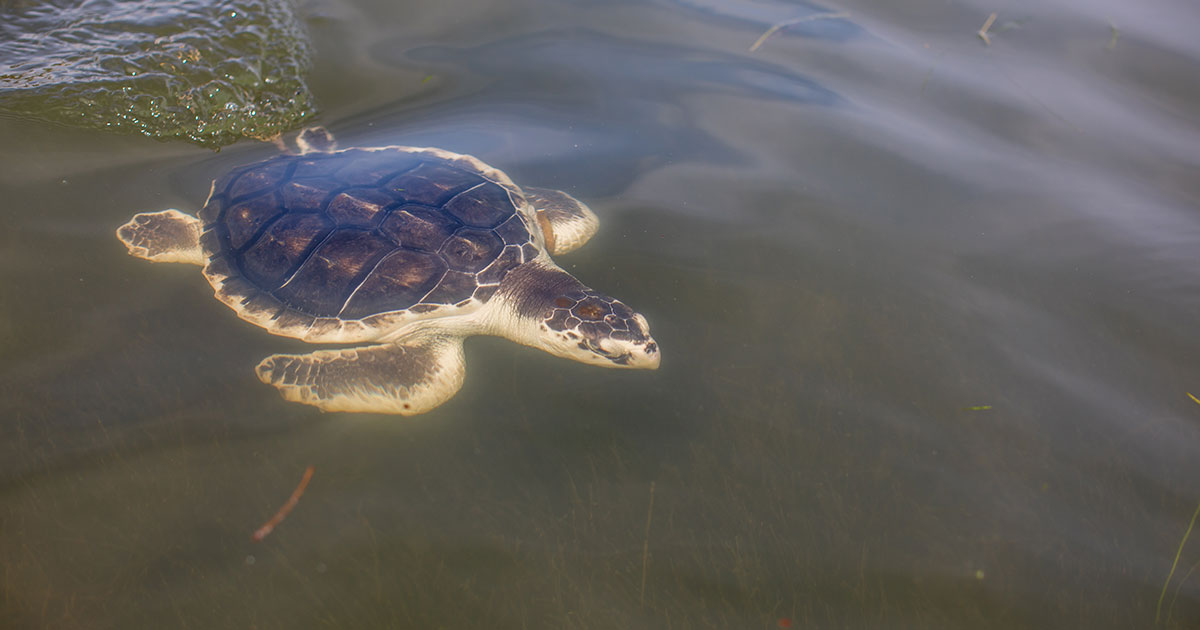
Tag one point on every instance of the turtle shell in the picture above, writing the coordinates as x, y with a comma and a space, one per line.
335, 246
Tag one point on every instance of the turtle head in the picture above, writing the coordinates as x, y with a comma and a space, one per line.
553, 311
593, 328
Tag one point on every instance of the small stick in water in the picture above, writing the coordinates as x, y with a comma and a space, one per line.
782, 25
983, 32
269, 526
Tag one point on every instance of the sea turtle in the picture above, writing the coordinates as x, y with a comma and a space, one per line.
407, 249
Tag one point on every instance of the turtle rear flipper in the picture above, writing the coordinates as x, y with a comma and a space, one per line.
165, 236
567, 223
408, 377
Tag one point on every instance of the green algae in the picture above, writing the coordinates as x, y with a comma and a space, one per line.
210, 72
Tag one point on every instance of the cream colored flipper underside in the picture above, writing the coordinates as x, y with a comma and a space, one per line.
566, 222
164, 236
409, 377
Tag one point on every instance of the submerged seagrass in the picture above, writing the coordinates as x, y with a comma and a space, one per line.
207, 71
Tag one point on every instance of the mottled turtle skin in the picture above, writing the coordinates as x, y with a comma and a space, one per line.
408, 249
341, 243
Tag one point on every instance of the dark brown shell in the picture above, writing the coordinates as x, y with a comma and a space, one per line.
357, 233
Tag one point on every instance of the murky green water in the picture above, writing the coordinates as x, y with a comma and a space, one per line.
927, 310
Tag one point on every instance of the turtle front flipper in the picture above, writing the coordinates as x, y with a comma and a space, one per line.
165, 236
565, 221
408, 377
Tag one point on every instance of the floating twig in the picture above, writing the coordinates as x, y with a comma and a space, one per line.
1112, 45
762, 39
983, 32
269, 526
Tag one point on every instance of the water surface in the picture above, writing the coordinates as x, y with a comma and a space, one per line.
927, 309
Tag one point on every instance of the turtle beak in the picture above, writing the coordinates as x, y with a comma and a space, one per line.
650, 357
639, 353
646, 356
